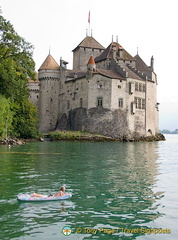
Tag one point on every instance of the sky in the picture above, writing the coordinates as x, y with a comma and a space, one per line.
149, 26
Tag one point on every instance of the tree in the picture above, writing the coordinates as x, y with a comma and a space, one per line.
6, 116
25, 119
16, 63
16, 66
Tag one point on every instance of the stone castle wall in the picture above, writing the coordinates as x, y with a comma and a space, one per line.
82, 55
96, 120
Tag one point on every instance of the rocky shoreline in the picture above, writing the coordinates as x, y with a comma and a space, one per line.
83, 137
12, 141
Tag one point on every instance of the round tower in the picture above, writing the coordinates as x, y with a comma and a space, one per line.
49, 76
91, 65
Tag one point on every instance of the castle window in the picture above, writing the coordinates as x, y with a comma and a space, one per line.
136, 86
120, 101
143, 103
139, 103
144, 88
68, 104
81, 102
119, 86
140, 87
131, 87
136, 102
99, 102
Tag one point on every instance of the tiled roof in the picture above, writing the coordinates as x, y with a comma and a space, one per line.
49, 63
90, 42
108, 53
77, 73
132, 74
91, 61
141, 65
110, 74
81, 74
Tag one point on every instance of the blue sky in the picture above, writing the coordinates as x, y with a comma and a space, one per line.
149, 25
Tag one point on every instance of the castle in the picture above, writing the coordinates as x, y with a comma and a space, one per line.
108, 92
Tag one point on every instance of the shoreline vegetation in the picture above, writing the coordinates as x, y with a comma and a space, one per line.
82, 137
87, 136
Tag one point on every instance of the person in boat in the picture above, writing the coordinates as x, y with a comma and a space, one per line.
60, 193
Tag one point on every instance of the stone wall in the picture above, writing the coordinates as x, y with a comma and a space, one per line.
97, 120
48, 100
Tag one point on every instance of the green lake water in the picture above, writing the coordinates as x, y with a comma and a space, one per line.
120, 190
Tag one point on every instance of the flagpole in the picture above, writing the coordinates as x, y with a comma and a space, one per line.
89, 22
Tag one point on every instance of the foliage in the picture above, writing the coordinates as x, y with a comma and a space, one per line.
78, 135
16, 63
6, 116
16, 66
64, 135
25, 120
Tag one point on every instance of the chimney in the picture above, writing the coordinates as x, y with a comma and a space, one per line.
114, 51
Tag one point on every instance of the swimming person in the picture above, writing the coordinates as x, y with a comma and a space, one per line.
60, 193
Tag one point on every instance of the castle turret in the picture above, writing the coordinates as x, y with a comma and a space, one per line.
91, 66
49, 76
152, 63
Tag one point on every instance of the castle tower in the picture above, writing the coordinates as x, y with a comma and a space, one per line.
49, 76
88, 47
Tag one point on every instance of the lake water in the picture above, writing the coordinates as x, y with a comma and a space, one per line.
120, 190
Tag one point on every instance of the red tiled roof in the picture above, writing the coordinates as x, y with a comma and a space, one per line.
91, 61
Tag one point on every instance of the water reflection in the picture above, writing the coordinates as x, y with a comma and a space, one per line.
118, 184
112, 186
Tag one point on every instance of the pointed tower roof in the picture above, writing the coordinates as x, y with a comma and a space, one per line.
49, 63
140, 64
90, 42
91, 61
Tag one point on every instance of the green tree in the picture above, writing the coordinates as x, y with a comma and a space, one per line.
6, 116
25, 119
16, 63
16, 66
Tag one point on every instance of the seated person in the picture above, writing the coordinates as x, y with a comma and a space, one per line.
60, 193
